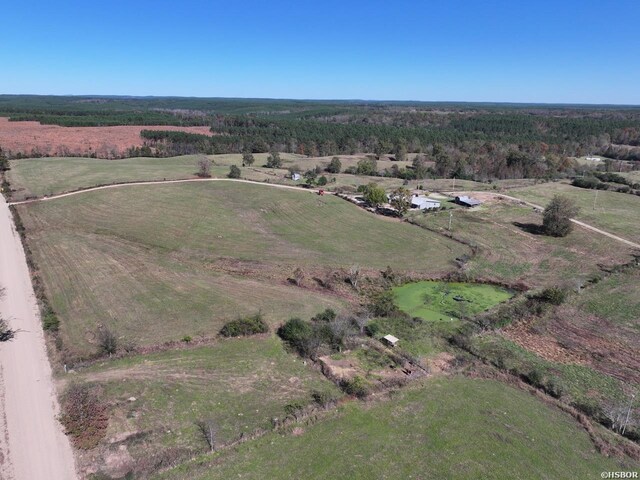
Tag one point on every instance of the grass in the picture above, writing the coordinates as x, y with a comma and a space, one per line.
617, 213
47, 176
446, 301
475, 428
579, 383
617, 298
240, 384
509, 252
155, 263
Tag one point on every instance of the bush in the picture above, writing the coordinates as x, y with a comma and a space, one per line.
234, 172
107, 341
357, 386
372, 329
50, 321
84, 416
383, 304
297, 333
335, 165
554, 295
327, 316
323, 398
245, 326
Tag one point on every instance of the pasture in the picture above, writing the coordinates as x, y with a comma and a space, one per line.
475, 428
511, 251
154, 263
617, 213
238, 384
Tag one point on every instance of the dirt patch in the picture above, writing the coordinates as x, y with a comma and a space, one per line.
53, 140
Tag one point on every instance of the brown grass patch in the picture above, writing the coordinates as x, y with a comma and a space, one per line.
54, 140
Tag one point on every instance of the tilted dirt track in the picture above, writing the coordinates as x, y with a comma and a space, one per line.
32, 443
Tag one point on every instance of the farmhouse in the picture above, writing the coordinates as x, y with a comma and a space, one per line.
390, 340
424, 203
468, 201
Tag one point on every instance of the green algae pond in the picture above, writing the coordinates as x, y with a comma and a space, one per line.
438, 301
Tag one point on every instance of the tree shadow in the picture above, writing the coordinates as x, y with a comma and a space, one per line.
532, 228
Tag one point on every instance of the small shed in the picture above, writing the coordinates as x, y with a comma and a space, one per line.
468, 201
390, 340
424, 203
295, 177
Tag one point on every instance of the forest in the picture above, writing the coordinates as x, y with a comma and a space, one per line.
478, 141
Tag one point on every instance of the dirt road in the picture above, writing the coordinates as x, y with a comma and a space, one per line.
32, 444
163, 182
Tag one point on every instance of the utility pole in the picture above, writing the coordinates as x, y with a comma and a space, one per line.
450, 217
595, 199
454, 184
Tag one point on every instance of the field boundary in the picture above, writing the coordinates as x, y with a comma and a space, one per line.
162, 182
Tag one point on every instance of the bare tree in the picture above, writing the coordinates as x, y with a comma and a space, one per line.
298, 277
209, 432
354, 276
204, 167
6, 333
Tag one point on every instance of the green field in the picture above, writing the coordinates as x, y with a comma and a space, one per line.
158, 262
447, 301
47, 176
239, 384
617, 213
508, 252
447, 428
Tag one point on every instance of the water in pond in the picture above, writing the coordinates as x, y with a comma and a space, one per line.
444, 301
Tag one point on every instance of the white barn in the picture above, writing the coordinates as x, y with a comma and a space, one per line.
424, 203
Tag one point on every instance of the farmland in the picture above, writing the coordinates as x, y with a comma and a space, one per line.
510, 250
240, 384
502, 431
193, 256
614, 212
35, 138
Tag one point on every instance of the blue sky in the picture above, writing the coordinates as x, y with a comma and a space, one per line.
570, 51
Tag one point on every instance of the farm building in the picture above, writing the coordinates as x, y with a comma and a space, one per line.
390, 340
295, 177
468, 201
424, 203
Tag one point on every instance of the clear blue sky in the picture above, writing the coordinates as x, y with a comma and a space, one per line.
574, 51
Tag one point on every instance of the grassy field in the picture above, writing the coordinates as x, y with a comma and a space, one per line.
475, 428
446, 301
158, 262
617, 213
47, 176
509, 252
239, 384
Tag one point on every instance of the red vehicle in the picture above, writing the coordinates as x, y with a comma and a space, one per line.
321, 192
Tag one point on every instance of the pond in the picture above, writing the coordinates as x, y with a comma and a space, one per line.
447, 301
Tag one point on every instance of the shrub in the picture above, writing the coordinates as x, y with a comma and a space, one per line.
327, 316
554, 295
50, 321
383, 304
234, 172
107, 341
335, 165
323, 398
245, 326
357, 386
84, 416
322, 181
373, 330
187, 339
297, 333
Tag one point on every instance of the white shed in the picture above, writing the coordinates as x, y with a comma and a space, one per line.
424, 203
390, 340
